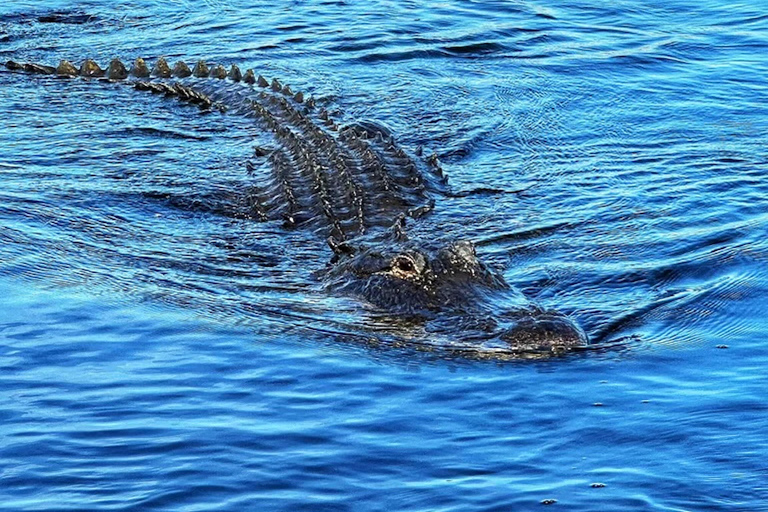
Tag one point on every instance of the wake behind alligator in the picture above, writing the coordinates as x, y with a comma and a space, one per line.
356, 188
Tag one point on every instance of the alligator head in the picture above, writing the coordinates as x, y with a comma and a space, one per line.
453, 292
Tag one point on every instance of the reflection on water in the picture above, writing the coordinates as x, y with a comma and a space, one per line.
610, 159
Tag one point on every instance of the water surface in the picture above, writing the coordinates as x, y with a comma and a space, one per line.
159, 358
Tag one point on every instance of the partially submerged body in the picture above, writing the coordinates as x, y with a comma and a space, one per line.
355, 187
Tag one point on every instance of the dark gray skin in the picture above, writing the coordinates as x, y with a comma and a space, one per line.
352, 183
452, 292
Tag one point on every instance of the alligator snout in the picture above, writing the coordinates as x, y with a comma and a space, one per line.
543, 332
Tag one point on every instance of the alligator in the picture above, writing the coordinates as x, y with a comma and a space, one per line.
356, 188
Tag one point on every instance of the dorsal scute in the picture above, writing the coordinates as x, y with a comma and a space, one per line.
66, 68
201, 69
181, 70
235, 74
39, 68
219, 72
90, 69
139, 69
116, 70
161, 69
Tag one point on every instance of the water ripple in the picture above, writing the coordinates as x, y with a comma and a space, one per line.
610, 159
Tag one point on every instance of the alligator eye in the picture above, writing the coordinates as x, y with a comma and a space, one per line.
405, 265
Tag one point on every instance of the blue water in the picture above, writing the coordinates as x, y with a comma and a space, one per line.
156, 358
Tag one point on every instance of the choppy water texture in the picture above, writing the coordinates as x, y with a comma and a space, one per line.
155, 358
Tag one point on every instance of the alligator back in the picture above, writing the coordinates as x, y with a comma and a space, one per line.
342, 181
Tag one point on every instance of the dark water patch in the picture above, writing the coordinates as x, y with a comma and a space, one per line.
477, 48
169, 134
70, 18
489, 192
546, 15
395, 56
740, 22
73, 17
357, 45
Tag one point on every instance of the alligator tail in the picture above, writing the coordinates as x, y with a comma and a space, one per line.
342, 179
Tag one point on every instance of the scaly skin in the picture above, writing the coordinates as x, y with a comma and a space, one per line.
354, 186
